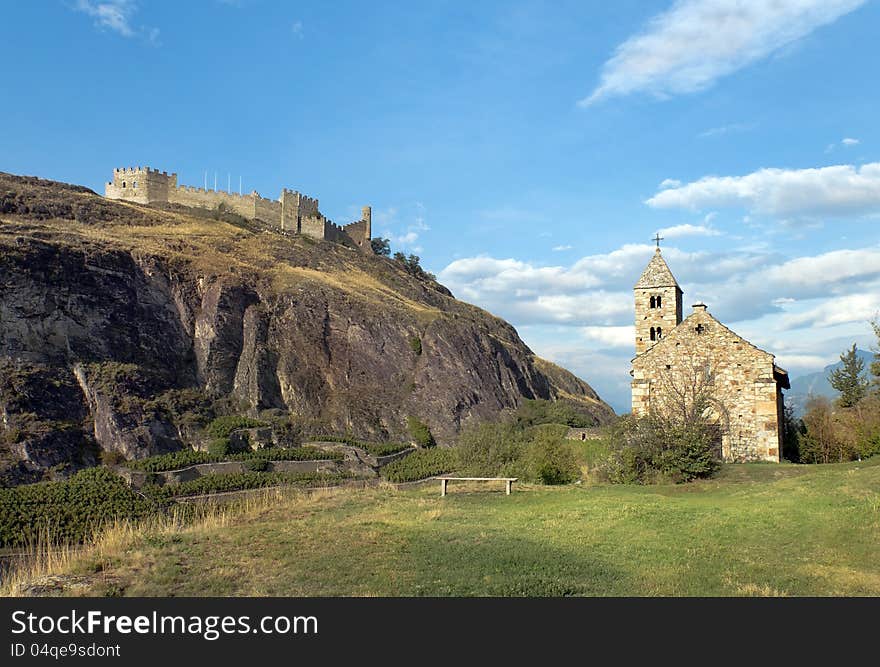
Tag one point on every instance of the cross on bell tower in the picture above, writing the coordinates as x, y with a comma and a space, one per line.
657, 240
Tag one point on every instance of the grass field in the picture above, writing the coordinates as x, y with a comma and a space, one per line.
757, 529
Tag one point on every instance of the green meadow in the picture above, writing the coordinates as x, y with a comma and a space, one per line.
756, 529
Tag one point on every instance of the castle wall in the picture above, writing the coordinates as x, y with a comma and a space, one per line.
268, 210
746, 397
243, 205
314, 226
358, 233
294, 207
294, 211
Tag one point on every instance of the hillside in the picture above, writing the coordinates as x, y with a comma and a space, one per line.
125, 328
755, 530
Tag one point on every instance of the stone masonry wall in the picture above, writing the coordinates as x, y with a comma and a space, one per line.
665, 318
243, 205
747, 404
293, 212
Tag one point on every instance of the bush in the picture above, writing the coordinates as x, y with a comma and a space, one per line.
221, 427
219, 447
416, 344
534, 412
188, 457
374, 448
257, 465
420, 432
549, 458
111, 457
491, 449
67, 511
648, 449
219, 483
421, 464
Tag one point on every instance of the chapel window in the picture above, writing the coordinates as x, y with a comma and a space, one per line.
659, 333
658, 301
653, 333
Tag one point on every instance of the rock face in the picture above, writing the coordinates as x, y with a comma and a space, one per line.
124, 326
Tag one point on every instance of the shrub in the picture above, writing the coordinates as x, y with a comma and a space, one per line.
257, 465
221, 427
384, 448
420, 432
110, 457
67, 511
416, 344
188, 457
421, 464
374, 448
534, 412
219, 447
549, 458
490, 449
649, 449
219, 483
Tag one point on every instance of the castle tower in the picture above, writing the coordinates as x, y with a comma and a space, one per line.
140, 184
367, 217
658, 303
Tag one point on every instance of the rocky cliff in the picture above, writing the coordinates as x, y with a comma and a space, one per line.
123, 328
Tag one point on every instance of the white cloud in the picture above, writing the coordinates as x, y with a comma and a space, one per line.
839, 190
850, 142
615, 337
686, 48
678, 231
833, 312
404, 235
297, 29
726, 129
117, 16
113, 15
581, 315
560, 248
669, 183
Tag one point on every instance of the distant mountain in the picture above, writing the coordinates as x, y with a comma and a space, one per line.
817, 384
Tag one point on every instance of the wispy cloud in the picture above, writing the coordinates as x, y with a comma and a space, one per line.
117, 16
112, 15
726, 129
297, 29
836, 191
581, 314
847, 142
404, 231
677, 231
688, 47
561, 248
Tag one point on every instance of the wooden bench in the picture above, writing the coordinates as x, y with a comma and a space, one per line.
445, 480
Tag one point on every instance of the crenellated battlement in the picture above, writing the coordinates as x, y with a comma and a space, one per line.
292, 212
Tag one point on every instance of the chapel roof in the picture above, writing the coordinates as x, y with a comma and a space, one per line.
656, 274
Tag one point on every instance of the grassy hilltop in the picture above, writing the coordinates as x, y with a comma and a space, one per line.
757, 529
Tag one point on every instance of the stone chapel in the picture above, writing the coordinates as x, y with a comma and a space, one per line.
673, 354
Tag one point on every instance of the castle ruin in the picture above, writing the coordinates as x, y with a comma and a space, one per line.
292, 212
676, 358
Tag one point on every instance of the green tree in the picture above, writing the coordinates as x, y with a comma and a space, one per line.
849, 379
875, 364
821, 442
381, 247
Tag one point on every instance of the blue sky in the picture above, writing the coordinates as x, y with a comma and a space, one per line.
527, 151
